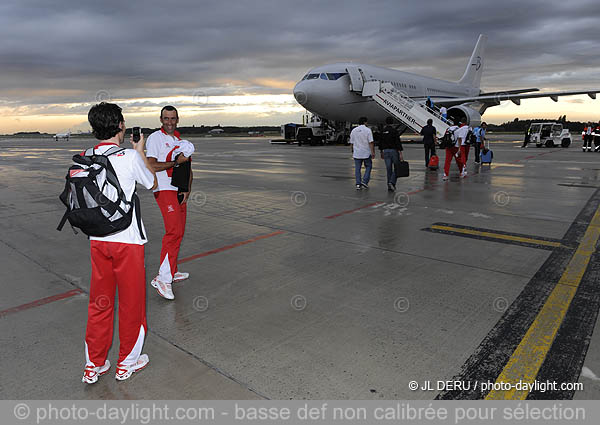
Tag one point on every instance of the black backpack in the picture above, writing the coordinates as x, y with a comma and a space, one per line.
95, 201
448, 140
472, 138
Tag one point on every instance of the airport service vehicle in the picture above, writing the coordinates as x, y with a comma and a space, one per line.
336, 93
318, 131
549, 134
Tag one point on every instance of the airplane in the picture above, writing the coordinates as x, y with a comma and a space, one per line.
334, 91
66, 136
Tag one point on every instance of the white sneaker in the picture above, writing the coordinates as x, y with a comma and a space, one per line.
91, 374
164, 289
445, 178
179, 276
124, 372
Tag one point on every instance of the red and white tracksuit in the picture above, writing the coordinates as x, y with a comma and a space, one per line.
452, 153
174, 216
118, 262
464, 153
161, 145
116, 265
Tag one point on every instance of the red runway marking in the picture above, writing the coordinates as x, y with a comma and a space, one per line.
355, 209
41, 301
225, 248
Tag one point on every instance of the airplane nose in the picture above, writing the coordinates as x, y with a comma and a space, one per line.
300, 95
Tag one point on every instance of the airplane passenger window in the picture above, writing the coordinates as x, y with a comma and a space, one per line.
335, 75
312, 76
323, 76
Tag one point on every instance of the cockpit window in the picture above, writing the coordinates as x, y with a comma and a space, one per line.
312, 76
304, 78
323, 76
335, 75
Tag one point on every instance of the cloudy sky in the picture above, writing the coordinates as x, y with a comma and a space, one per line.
236, 62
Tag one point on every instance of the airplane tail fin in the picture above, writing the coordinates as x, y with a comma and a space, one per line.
472, 75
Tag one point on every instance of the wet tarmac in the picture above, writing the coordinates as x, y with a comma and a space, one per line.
304, 288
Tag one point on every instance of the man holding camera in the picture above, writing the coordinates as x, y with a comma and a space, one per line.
118, 258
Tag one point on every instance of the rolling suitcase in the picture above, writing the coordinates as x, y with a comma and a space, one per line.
402, 170
434, 162
486, 154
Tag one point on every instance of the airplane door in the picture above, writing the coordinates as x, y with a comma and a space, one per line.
356, 79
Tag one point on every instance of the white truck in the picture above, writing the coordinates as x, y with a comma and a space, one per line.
549, 134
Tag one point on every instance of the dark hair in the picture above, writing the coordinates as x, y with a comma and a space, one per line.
429, 121
389, 120
362, 120
484, 123
105, 119
169, 108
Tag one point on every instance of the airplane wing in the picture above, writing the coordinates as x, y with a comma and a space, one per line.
497, 97
493, 93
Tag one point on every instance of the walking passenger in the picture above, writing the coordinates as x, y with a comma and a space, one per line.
444, 113
452, 151
479, 132
461, 135
363, 152
429, 140
391, 152
587, 138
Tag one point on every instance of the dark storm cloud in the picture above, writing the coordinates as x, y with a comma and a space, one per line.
65, 51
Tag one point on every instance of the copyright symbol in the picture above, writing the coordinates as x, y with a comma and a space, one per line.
101, 199
102, 302
500, 304
299, 199
413, 385
103, 96
298, 302
198, 198
501, 198
200, 303
21, 411
200, 98
402, 199
401, 305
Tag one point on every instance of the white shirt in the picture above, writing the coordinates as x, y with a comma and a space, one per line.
443, 110
461, 133
130, 168
161, 146
360, 138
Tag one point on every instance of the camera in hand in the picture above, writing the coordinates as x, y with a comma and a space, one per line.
136, 134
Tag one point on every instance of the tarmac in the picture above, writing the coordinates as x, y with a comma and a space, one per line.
304, 288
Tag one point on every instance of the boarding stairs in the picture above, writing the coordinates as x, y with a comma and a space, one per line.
408, 111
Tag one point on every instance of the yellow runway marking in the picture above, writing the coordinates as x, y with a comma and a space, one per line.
497, 235
525, 362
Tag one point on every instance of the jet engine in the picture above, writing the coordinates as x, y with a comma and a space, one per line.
461, 112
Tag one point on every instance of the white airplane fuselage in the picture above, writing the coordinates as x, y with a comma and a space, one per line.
334, 91
334, 100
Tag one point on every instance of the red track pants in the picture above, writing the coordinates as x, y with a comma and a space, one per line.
451, 153
116, 265
464, 154
174, 215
